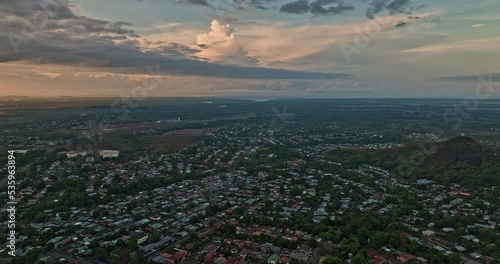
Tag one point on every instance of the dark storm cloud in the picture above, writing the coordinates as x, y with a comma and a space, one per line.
297, 7
493, 77
401, 24
317, 7
57, 9
31, 32
189, 2
392, 6
259, 4
320, 7
197, 2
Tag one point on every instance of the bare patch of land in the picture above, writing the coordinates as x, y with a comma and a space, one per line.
172, 142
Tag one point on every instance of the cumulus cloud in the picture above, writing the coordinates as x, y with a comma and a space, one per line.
220, 43
219, 33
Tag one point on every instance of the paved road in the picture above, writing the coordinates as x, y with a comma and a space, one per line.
58, 255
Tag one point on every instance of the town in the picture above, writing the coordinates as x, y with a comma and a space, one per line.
250, 192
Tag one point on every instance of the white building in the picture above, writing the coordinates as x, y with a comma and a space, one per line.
109, 153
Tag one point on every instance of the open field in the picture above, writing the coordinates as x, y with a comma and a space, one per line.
169, 143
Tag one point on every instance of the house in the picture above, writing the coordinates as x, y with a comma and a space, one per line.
448, 229
460, 248
428, 233
109, 153
220, 260
164, 241
406, 258
209, 258
273, 259
285, 260
379, 260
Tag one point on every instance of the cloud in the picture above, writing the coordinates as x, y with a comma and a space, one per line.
52, 81
259, 4
401, 24
219, 44
490, 77
316, 7
392, 6
64, 38
197, 2
468, 45
310, 46
334, 7
479, 25
312, 87
167, 25
297, 7
193, 2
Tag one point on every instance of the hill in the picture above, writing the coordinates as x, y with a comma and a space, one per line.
458, 160
455, 151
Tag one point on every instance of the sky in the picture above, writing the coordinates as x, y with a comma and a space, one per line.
257, 48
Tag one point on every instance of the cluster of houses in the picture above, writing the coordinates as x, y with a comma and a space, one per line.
198, 208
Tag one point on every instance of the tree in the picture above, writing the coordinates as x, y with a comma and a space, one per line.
94, 244
436, 258
319, 229
313, 243
49, 246
96, 214
379, 239
332, 260
295, 191
135, 258
100, 253
360, 259
153, 237
119, 242
363, 235
454, 259
114, 258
